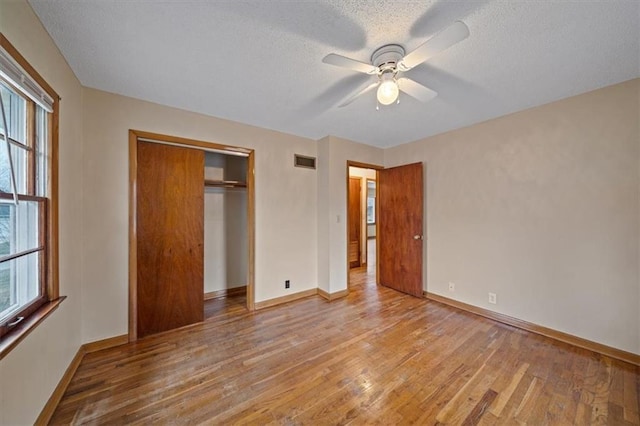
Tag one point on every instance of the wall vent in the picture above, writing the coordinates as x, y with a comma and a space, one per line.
304, 161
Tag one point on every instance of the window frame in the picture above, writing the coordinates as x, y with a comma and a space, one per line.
39, 309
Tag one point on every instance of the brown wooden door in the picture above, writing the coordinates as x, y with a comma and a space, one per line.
400, 237
355, 222
170, 237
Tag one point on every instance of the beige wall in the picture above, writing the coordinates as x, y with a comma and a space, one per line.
540, 207
285, 202
333, 155
325, 213
31, 371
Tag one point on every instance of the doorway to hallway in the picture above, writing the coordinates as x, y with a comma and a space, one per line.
365, 275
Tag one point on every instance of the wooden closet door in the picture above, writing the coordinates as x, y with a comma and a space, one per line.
170, 237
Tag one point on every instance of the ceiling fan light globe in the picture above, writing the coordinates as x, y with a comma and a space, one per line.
388, 92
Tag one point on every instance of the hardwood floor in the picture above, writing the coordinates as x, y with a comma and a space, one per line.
375, 356
229, 305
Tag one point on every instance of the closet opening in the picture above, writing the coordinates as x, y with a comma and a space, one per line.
225, 233
191, 231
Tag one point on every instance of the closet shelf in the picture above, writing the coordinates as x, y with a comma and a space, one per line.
225, 183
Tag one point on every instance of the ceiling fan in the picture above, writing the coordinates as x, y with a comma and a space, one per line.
389, 62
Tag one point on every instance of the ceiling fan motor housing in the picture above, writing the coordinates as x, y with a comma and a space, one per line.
386, 57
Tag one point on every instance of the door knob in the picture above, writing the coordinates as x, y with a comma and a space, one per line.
417, 237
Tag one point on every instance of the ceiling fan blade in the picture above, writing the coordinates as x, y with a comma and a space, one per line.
453, 34
352, 64
357, 93
416, 90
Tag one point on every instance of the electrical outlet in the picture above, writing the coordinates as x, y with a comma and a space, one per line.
287, 284
452, 286
493, 299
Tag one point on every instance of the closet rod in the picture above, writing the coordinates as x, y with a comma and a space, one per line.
225, 183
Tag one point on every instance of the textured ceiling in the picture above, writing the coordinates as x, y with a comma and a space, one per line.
260, 62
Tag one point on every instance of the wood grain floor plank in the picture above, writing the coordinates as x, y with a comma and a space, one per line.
481, 407
631, 403
600, 404
504, 396
527, 405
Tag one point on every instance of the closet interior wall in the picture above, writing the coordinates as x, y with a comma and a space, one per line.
225, 222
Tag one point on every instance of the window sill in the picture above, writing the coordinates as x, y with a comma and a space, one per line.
11, 340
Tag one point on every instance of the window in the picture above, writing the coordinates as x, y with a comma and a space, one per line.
28, 268
371, 201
